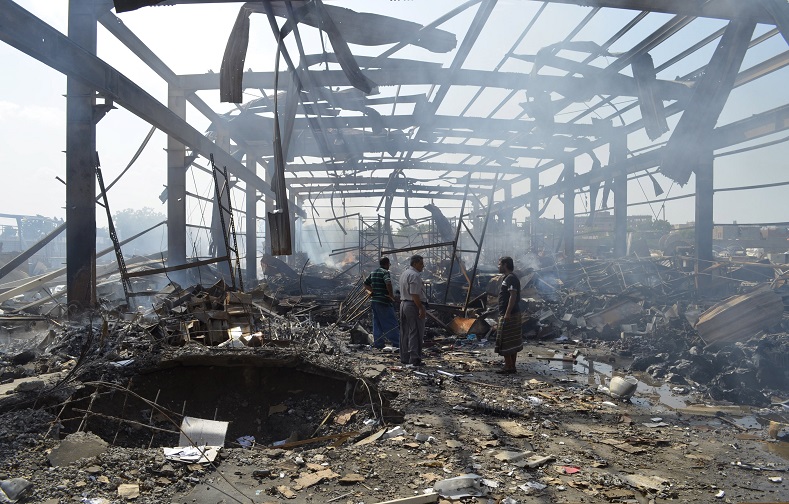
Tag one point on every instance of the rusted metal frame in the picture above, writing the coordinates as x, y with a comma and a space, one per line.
222, 209
473, 275
456, 240
125, 282
300, 75
27, 254
709, 98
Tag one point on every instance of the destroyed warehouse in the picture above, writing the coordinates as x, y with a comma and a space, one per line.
222, 350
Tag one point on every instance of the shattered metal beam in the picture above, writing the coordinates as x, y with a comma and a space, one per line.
37, 39
709, 98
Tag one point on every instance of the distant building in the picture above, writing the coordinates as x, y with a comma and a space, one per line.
736, 232
604, 222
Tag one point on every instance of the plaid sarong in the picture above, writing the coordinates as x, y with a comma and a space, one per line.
508, 335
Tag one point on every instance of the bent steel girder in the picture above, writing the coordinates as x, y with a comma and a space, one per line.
710, 95
29, 34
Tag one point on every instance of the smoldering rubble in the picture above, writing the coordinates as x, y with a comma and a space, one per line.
100, 408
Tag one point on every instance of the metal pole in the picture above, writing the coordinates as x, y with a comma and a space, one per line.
617, 157
176, 186
704, 218
251, 224
569, 211
534, 211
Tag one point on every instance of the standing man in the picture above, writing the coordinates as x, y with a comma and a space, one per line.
508, 336
413, 312
379, 285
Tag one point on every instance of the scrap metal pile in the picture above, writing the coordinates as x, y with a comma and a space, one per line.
731, 345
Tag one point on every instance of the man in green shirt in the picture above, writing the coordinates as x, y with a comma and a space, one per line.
379, 285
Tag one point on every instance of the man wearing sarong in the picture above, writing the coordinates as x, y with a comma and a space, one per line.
508, 335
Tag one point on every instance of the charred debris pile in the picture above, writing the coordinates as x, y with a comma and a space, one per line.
722, 333
728, 344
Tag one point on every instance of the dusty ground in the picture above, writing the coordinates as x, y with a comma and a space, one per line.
662, 445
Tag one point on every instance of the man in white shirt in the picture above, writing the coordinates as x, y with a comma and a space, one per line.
413, 312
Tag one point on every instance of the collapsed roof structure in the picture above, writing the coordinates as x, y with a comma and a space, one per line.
573, 100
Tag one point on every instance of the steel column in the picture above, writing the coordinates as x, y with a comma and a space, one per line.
534, 211
617, 156
704, 217
81, 167
176, 185
251, 225
569, 211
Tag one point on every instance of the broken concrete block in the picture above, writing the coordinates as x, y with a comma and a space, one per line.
77, 446
537, 461
512, 456
14, 489
286, 492
351, 479
129, 491
467, 485
308, 480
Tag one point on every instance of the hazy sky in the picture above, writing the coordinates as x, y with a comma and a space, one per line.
191, 39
